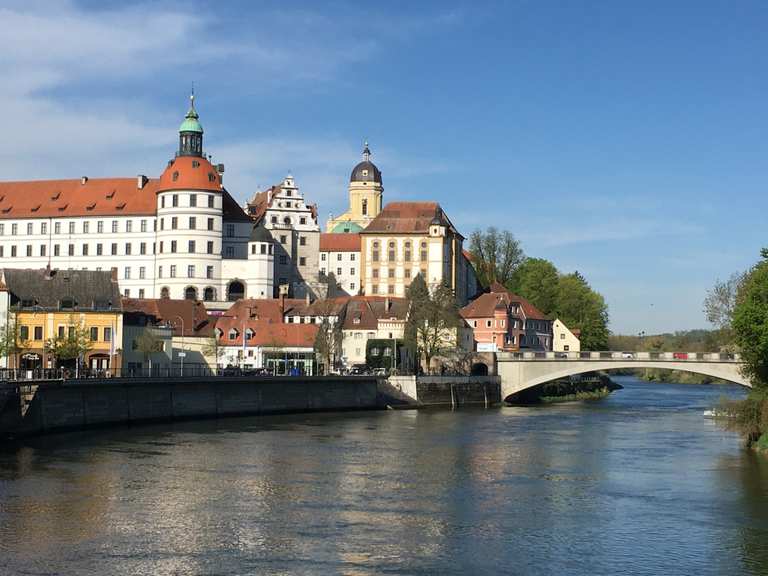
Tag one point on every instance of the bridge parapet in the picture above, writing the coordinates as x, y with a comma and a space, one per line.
623, 356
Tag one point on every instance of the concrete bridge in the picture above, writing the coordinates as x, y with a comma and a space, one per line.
522, 370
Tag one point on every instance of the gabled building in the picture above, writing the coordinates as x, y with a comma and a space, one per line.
292, 224
339, 261
410, 238
565, 339
503, 321
371, 318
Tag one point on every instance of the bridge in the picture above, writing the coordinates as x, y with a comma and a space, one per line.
522, 370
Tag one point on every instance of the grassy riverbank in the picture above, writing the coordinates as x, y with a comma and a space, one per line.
584, 395
591, 387
748, 417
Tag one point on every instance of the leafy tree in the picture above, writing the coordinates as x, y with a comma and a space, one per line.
536, 280
721, 300
211, 349
72, 346
750, 322
149, 343
10, 342
495, 255
433, 318
581, 307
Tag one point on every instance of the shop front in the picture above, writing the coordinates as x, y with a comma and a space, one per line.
290, 363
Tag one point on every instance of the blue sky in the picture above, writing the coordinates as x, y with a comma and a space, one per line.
624, 140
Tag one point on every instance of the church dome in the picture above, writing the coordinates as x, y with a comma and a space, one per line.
366, 171
347, 227
192, 119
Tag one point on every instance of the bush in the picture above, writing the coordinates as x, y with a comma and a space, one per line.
748, 417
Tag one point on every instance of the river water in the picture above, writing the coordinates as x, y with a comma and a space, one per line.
638, 483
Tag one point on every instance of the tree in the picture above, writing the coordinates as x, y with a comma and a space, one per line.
750, 323
330, 335
579, 306
433, 318
536, 280
10, 342
148, 343
73, 346
495, 255
721, 301
211, 349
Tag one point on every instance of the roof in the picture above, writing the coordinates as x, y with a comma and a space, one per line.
484, 305
321, 308
347, 227
260, 234
78, 197
339, 242
191, 120
409, 218
364, 312
365, 171
265, 318
189, 315
90, 290
190, 173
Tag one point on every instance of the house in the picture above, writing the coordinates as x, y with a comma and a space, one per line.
68, 319
369, 318
564, 339
503, 321
339, 259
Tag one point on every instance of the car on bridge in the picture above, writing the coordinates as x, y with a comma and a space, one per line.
680, 355
628, 355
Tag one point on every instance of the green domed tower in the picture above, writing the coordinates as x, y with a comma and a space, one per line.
191, 132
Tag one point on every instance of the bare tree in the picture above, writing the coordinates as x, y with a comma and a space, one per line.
721, 300
496, 255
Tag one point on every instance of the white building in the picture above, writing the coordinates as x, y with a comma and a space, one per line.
564, 339
180, 236
339, 259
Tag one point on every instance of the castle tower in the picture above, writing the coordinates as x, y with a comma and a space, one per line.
366, 192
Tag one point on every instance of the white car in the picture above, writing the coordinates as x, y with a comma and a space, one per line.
629, 355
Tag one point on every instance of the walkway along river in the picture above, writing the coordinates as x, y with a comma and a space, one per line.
638, 483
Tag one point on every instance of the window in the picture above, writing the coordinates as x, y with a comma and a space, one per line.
191, 247
338, 256
322, 257
127, 248
38, 332
375, 289
159, 271
107, 334
303, 220
375, 272
283, 239
99, 249
162, 202
56, 250
391, 273
209, 247
562, 336
263, 248
192, 222
390, 289
230, 230
210, 221
423, 251
29, 228
302, 261
127, 274
302, 240
391, 252
175, 200
230, 252
351, 271
94, 333
162, 223
191, 271
174, 223
407, 272
29, 250
210, 201
488, 323
85, 249
274, 219
86, 227
283, 259
143, 248
141, 292
338, 271
61, 331
173, 270
114, 249
376, 251
71, 250
287, 221
352, 286
71, 227
143, 226
193, 200
129, 225
142, 272
209, 272
24, 333
173, 246
161, 246
100, 227
43, 228
114, 226
13, 251
56, 228
42, 250
352, 257
2, 230
365, 207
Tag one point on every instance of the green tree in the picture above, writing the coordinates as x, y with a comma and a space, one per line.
10, 342
149, 343
537, 280
433, 319
495, 255
72, 346
750, 323
579, 306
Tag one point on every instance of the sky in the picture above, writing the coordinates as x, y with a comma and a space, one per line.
625, 140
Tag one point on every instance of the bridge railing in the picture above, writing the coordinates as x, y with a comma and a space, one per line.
623, 356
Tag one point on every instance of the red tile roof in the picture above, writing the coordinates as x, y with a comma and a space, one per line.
265, 319
194, 316
408, 218
484, 305
339, 242
192, 173
364, 312
60, 198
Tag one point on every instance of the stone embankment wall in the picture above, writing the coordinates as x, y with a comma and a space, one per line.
82, 403
451, 391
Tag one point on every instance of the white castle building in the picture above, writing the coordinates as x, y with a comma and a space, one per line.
179, 236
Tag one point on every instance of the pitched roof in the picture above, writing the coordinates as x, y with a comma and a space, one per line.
484, 305
341, 242
364, 312
190, 173
194, 316
94, 197
320, 308
409, 218
90, 290
262, 201
264, 317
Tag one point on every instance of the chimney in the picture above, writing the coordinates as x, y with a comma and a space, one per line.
282, 303
141, 181
307, 298
83, 179
48, 274
220, 170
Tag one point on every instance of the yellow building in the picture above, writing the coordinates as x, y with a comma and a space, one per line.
366, 192
64, 307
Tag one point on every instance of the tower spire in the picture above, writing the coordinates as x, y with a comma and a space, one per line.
366, 152
190, 131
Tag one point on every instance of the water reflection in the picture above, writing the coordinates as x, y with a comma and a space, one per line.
640, 483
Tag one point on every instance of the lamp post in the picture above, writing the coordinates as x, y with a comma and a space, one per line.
182, 353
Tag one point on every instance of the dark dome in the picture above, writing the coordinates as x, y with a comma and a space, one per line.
260, 234
366, 171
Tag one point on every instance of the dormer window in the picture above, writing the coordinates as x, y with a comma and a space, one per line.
67, 303
195, 164
175, 176
232, 335
211, 177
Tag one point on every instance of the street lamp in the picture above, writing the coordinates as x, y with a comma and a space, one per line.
182, 353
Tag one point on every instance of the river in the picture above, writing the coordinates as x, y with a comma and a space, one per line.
638, 483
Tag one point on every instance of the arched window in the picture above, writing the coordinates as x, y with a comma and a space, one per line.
190, 293
209, 294
235, 291
165, 292
287, 221
365, 206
